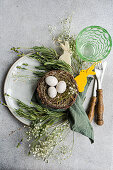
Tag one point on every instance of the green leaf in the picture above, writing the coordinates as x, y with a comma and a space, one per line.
78, 118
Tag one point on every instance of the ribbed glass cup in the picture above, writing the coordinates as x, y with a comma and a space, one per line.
93, 43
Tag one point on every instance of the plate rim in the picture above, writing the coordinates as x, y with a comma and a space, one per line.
20, 119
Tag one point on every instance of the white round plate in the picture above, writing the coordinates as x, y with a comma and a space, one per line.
20, 84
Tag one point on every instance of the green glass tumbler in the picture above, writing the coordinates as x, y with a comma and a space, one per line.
93, 44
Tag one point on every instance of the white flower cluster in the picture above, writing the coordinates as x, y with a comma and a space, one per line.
44, 140
72, 90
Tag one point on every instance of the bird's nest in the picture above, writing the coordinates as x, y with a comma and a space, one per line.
61, 101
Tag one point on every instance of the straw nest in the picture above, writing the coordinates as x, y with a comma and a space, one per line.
61, 101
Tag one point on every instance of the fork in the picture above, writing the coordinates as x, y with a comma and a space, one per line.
100, 69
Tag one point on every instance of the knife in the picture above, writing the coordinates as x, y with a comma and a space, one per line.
92, 102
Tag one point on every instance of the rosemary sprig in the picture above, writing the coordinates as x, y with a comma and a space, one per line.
38, 73
43, 54
19, 143
58, 65
48, 52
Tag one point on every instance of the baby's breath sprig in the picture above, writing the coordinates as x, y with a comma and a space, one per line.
46, 130
72, 90
47, 142
66, 36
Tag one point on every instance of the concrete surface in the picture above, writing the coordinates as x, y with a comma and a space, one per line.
25, 23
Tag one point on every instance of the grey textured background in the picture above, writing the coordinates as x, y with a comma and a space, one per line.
25, 23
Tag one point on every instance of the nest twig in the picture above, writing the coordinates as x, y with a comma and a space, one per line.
61, 101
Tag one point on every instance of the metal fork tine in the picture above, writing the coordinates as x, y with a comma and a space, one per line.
101, 66
97, 66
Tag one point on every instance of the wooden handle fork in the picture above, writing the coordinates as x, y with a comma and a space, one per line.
92, 108
100, 107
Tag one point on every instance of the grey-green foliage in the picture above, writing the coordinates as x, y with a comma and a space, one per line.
37, 112
43, 54
48, 59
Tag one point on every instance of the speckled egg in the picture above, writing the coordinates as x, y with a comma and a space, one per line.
61, 87
51, 81
52, 92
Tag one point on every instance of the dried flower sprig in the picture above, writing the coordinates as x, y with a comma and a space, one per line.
47, 139
47, 130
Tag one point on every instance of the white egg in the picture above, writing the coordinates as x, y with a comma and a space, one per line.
51, 81
61, 87
52, 92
